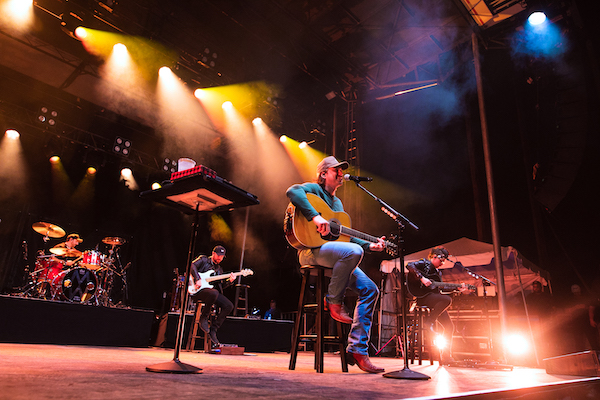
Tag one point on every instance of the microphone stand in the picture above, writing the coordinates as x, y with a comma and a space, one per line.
485, 283
406, 372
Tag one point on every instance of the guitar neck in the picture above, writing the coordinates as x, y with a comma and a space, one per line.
357, 234
223, 276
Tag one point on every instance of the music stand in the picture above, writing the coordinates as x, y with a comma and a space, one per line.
191, 195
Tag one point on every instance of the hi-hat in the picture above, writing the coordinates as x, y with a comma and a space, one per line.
48, 229
64, 252
115, 241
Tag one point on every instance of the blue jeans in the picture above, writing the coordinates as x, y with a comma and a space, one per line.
343, 258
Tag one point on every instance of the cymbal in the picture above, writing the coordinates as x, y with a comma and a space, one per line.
48, 229
115, 241
64, 252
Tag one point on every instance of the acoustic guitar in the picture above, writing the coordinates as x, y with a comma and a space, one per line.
302, 234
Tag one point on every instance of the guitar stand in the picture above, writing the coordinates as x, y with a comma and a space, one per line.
406, 372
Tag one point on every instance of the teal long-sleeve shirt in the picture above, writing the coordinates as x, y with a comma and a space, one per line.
297, 195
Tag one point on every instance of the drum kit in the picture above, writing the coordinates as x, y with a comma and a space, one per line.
68, 274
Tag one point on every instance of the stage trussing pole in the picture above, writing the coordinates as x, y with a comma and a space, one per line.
491, 195
244, 244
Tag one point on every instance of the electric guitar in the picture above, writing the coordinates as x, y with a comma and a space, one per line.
302, 234
418, 289
206, 278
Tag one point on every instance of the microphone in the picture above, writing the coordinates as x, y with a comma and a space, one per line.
348, 177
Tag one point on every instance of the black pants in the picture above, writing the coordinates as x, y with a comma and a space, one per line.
213, 296
438, 304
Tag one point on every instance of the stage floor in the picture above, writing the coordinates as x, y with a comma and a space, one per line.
62, 371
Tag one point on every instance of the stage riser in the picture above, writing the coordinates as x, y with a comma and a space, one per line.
255, 335
40, 321
583, 363
580, 389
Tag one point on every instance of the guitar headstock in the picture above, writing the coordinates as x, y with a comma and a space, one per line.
246, 272
391, 249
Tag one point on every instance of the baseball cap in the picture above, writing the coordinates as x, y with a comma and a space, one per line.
75, 236
219, 250
330, 162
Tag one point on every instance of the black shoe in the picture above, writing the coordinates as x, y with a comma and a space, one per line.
213, 338
204, 324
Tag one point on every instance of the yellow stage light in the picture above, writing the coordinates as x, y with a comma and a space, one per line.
54, 159
81, 32
156, 186
200, 94
91, 171
257, 121
227, 105
283, 138
303, 145
126, 173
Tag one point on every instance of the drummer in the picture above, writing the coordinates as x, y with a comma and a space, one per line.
66, 251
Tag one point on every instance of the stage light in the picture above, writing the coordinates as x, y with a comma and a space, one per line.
257, 121
516, 344
127, 178
81, 32
71, 20
283, 138
120, 49
164, 71
440, 342
227, 105
17, 14
536, 18
91, 171
47, 116
303, 145
156, 186
54, 159
12, 134
169, 165
122, 146
200, 94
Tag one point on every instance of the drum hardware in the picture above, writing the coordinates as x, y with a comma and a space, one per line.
91, 278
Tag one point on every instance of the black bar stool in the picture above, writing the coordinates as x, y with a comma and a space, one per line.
319, 338
421, 342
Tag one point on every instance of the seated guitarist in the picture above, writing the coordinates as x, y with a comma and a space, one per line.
210, 296
426, 271
343, 258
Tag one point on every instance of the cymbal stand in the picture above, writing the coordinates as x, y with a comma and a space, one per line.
406, 372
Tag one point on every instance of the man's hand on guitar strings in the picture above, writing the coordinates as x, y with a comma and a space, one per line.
322, 225
379, 246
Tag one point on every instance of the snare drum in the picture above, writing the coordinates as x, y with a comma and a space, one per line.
49, 269
92, 259
75, 285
